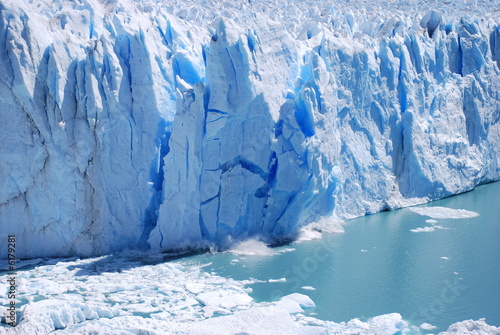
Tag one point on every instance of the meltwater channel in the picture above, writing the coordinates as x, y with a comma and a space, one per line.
379, 265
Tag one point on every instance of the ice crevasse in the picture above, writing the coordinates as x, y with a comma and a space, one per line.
141, 124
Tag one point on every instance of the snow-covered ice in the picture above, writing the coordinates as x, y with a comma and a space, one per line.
280, 280
472, 327
195, 124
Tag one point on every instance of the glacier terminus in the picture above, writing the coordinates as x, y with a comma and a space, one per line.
192, 124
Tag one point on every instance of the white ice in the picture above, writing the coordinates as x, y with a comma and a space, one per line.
309, 288
436, 212
472, 327
253, 247
280, 280
427, 229
427, 326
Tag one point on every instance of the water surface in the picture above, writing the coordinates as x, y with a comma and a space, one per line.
380, 266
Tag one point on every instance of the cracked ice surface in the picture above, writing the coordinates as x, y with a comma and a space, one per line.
179, 124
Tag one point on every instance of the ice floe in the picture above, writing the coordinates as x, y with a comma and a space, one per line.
436, 212
427, 229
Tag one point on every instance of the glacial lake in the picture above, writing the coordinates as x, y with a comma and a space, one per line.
438, 271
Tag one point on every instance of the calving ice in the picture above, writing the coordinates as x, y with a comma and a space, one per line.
144, 124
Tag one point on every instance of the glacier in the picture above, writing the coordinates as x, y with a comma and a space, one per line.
194, 124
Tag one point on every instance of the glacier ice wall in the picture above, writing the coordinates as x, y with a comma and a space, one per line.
164, 126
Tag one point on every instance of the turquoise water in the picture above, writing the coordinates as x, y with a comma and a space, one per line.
379, 266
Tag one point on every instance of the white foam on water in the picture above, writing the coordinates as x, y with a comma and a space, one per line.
427, 229
253, 247
308, 234
316, 229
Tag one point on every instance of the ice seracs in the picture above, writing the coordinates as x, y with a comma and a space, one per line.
142, 124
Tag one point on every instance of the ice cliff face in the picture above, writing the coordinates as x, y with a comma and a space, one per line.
132, 124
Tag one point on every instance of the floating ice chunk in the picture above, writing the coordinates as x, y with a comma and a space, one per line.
471, 327
290, 306
423, 230
387, 324
303, 300
427, 326
437, 212
309, 288
445, 258
48, 315
383, 324
282, 251
432, 221
253, 247
364, 250
295, 303
260, 320
281, 280
427, 229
